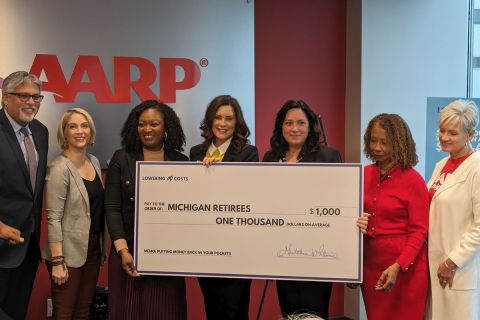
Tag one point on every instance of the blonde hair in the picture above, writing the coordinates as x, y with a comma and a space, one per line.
63, 124
464, 111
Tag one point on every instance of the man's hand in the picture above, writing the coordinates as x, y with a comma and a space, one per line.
10, 234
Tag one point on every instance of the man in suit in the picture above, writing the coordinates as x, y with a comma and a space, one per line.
23, 163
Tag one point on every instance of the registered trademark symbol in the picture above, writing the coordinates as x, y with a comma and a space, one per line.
204, 62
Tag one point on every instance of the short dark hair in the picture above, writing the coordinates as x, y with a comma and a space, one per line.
398, 134
174, 139
278, 143
241, 132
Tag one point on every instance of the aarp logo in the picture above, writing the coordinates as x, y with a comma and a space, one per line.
90, 68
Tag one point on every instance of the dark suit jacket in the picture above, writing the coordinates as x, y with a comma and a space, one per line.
19, 205
249, 153
120, 193
323, 154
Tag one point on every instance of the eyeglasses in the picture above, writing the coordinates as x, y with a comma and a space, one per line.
24, 97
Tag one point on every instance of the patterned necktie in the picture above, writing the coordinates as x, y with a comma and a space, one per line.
31, 158
216, 154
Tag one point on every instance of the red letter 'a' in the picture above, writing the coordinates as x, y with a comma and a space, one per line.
122, 76
168, 81
97, 83
56, 81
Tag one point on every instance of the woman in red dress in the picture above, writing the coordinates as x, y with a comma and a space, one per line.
395, 223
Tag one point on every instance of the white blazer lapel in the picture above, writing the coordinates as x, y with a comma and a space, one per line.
458, 176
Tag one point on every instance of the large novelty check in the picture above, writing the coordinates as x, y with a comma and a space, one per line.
256, 220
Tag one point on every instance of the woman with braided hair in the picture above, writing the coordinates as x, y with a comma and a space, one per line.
395, 223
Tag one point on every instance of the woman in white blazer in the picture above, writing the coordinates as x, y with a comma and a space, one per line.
454, 228
75, 216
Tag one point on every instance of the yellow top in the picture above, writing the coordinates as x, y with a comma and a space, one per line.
218, 152
215, 154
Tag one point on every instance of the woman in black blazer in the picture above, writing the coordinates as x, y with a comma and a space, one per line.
296, 139
226, 139
151, 132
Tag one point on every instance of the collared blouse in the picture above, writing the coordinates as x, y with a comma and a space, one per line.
398, 204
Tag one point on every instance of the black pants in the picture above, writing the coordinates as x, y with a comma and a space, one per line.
16, 283
226, 299
304, 296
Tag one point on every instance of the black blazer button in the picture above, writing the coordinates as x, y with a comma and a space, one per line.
127, 182
132, 199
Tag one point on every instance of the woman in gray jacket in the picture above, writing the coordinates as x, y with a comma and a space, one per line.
75, 216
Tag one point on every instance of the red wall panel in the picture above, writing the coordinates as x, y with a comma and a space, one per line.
300, 54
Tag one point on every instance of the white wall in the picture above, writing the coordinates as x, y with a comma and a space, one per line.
412, 50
